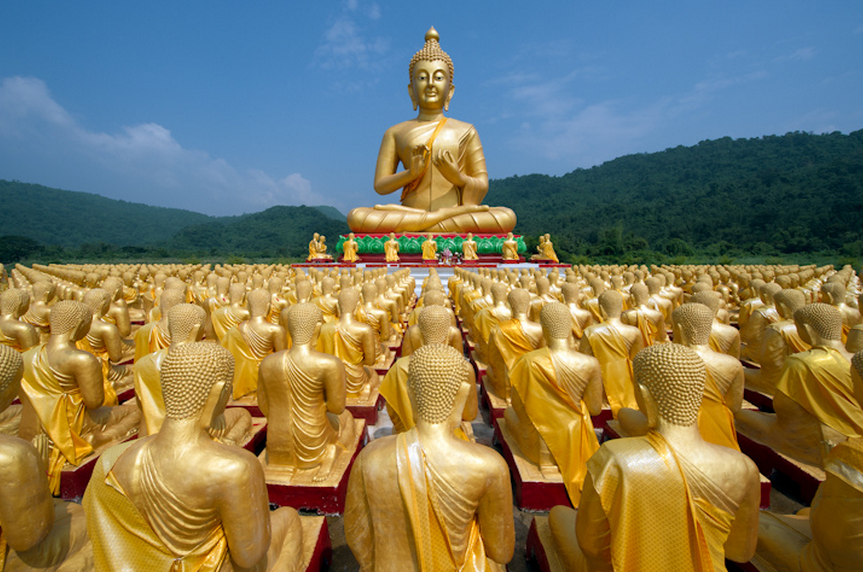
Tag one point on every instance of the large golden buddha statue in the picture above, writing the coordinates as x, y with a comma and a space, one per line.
668, 500
444, 179
179, 500
425, 499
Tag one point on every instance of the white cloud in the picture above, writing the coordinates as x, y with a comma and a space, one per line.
44, 143
345, 44
798, 55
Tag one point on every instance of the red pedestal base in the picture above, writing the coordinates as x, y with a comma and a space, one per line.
491, 402
322, 555
759, 400
797, 479
367, 412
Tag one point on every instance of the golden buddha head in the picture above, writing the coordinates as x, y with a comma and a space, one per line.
693, 322
185, 322
302, 322
788, 301
833, 293
431, 75
348, 300
98, 300
556, 321
434, 298
194, 376
640, 294
856, 369
14, 302
519, 301
43, 290
11, 370
707, 298
169, 299
499, 292
434, 324
570, 291
70, 317
823, 320
611, 304
671, 379
259, 303
435, 375
237, 293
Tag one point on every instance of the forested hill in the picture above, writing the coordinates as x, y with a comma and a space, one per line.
770, 195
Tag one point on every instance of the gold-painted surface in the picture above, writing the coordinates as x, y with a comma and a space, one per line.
444, 179
613, 350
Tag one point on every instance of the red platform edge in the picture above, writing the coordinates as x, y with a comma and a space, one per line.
531, 496
534, 550
323, 554
769, 461
367, 412
323, 500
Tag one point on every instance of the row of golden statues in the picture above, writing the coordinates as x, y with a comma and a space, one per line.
558, 349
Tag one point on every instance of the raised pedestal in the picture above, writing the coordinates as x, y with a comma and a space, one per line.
366, 409
74, 480
533, 490
494, 404
794, 478
540, 546
761, 401
299, 489
371, 248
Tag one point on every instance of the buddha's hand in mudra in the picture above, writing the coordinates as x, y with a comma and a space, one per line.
419, 159
448, 167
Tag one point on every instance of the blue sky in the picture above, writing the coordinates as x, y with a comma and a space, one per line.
232, 107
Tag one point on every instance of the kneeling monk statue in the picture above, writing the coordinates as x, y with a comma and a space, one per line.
444, 179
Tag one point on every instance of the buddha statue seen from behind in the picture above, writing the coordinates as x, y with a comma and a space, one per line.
444, 177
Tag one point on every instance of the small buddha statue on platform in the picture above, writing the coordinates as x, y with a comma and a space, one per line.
816, 401
509, 248
118, 312
14, 332
302, 393
545, 250
444, 179
581, 318
251, 341
42, 295
650, 322
42, 533
752, 334
63, 396
614, 344
377, 318
391, 249
179, 499
511, 339
11, 370
318, 249
413, 338
668, 500
429, 248
103, 340
350, 249
724, 338
425, 499
657, 300
486, 319
354, 343
228, 316
155, 336
781, 339
555, 390
833, 293
434, 327
278, 302
327, 302
469, 248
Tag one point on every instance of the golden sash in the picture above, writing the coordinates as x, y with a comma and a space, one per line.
148, 390
248, 355
512, 344
60, 408
421, 489
346, 348
610, 349
715, 420
564, 424
819, 380
410, 187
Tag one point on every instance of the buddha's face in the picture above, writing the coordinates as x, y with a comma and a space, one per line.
430, 86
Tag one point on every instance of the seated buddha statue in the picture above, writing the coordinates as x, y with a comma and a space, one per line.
327, 302
42, 294
486, 319
509, 248
545, 249
103, 340
11, 370
664, 501
854, 343
118, 312
434, 327
154, 336
63, 396
429, 248
391, 249
833, 293
251, 341
278, 302
444, 179
724, 338
379, 319
413, 338
752, 334
302, 393
392, 304
468, 248
511, 339
555, 390
816, 400
179, 499
41, 533
14, 332
648, 320
353, 342
228, 316
781, 339
350, 249
614, 344
425, 499
581, 318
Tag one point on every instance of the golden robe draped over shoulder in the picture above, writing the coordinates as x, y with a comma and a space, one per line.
150, 338
61, 411
248, 349
512, 343
609, 347
338, 342
169, 535
546, 389
819, 380
223, 320
88, 345
715, 420
664, 514
148, 389
436, 510
10, 341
